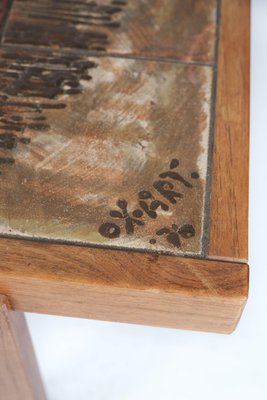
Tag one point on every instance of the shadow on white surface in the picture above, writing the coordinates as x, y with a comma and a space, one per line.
82, 360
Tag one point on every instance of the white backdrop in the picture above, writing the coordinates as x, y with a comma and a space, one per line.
82, 359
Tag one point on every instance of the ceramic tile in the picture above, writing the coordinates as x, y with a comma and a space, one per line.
177, 29
104, 151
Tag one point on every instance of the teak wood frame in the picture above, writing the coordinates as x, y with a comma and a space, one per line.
200, 294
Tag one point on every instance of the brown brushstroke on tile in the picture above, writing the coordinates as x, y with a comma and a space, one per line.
43, 76
80, 25
178, 29
112, 145
4, 5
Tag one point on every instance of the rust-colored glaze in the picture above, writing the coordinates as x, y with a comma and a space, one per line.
83, 139
106, 151
172, 29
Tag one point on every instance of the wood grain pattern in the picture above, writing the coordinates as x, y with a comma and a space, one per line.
228, 227
19, 375
122, 286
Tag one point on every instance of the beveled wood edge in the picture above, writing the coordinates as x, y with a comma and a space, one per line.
228, 224
123, 286
19, 374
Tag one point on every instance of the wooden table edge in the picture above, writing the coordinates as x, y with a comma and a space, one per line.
228, 219
143, 288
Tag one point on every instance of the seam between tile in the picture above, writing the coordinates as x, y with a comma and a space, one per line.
208, 191
80, 52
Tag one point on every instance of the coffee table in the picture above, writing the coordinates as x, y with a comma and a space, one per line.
124, 140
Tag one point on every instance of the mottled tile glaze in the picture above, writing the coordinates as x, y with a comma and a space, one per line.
177, 29
76, 155
100, 150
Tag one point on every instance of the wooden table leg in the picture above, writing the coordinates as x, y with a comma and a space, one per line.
19, 375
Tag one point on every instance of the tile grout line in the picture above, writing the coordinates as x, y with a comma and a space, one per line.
208, 191
79, 52
62, 242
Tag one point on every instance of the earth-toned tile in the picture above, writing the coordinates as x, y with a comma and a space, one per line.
104, 151
3, 13
153, 28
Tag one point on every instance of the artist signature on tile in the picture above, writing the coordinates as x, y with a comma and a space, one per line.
149, 204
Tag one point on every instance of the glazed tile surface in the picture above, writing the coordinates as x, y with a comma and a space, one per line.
107, 151
175, 29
